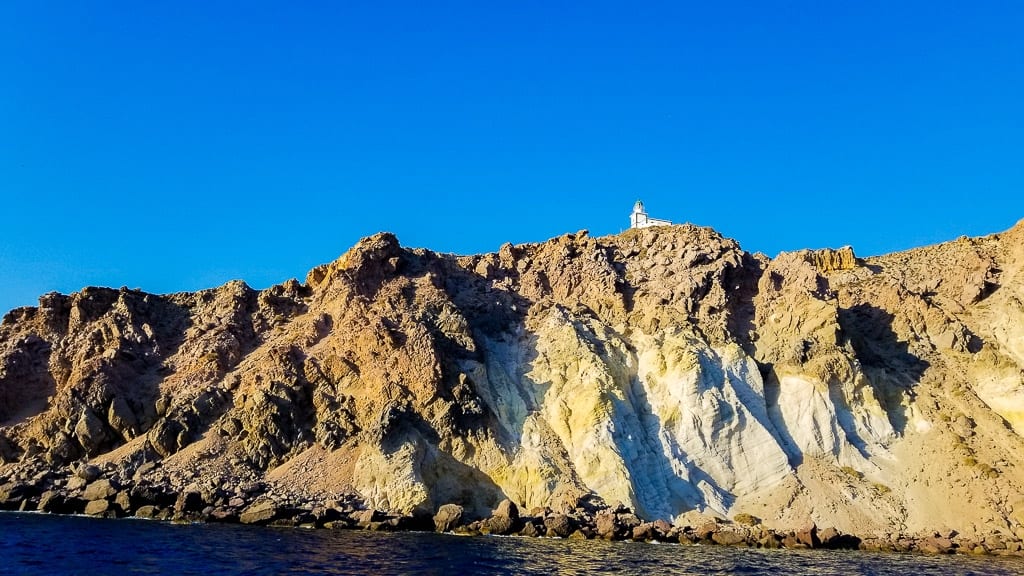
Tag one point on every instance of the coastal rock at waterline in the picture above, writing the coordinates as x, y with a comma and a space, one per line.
262, 512
729, 537
808, 536
97, 508
505, 519
507, 509
99, 490
499, 525
448, 517
559, 525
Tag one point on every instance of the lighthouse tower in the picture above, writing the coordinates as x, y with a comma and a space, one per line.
640, 219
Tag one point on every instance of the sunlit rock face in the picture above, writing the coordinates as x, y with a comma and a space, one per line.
663, 368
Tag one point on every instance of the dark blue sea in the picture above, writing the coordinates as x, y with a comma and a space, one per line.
44, 544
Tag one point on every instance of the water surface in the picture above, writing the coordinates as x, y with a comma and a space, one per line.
47, 544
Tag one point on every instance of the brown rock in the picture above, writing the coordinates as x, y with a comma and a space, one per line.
88, 472
99, 489
190, 501
607, 526
365, 518
52, 501
530, 529
662, 528
507, 509
643, 532
559, 525
97, 507
994, 543
829, 260
728, 537
261, 512
791, 542
808, 536
122, 501
935, 545
497, 524
448, 517
706, 531
148, 511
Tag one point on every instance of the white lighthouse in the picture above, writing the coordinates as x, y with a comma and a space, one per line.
640, 219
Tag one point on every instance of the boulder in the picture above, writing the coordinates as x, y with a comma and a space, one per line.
808, 536
827, 535
643, 532
832, 539
262, 512
190, 501
91, 432
221, 515
147, 511
935, 545
498, 524
366, 518
97, 507
607, 525
559, 525
14, 493
728, 537
790, 541
448, 517
530, 529
994, 543
75, 484
706, 531
628, 520
88, 472
52, 501
662, 527
122, 500
145, 495
99, 489
507, 509
321, 514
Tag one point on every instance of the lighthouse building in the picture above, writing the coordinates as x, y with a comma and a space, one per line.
640, 219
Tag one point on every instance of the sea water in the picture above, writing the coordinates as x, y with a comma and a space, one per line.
47, 544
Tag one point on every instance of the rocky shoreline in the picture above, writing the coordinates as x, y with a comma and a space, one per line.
106, 492
666, 369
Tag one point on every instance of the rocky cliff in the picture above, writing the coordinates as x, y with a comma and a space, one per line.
664, 368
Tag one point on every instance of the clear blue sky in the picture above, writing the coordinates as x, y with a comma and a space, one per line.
175, 145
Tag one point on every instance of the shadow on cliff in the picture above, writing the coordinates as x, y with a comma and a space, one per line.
741, 311
131, 379
445, 478
679, 495
104, 392
888, 364
27, 382
492, 313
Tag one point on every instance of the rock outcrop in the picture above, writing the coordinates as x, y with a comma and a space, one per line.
663, 368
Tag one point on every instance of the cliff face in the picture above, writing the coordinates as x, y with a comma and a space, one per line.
664, 368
